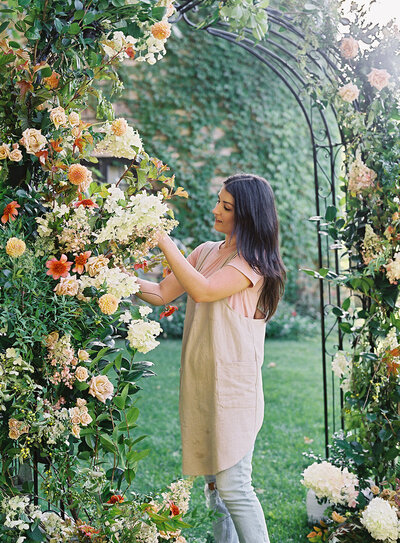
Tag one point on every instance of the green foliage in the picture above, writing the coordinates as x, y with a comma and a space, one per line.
216, 116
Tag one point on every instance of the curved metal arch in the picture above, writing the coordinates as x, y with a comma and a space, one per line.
277, 51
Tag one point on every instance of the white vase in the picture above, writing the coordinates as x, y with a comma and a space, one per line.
315, 510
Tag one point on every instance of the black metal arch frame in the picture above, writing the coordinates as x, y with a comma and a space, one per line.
279, 52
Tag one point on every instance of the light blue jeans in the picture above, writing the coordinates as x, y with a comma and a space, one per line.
243, 519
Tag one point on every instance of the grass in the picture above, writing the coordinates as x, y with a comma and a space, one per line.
293, 411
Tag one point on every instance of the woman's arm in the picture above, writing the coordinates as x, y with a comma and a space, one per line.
160, 293
223, 283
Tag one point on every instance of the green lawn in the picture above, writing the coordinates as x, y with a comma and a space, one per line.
293, 410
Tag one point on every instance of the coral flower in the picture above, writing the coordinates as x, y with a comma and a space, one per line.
88, 530
86, 203
80, 262
10, 212
116, 498
58, 268
169, 309
174, 509
161, 30
141, 265
130, 52
77, 174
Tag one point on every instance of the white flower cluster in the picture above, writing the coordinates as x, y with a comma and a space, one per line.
389, 342
118, 283
55, 425
179, 494
57, 530
116, 46
330, 482
342, 367
380, 519
19, 513
126, 146
148, 533
142, 334
143, 214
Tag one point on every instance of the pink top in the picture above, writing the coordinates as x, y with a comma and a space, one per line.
244, 302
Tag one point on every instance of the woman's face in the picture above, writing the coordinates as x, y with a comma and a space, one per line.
224, 212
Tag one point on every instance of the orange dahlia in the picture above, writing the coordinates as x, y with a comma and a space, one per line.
77, 174
161, 30
86, 203
116, 498
10, 212
58, 268
80, 262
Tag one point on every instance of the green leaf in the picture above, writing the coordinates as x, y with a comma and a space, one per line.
107, 443
3, 26
74, 29
346, 304
330, 213
132, 415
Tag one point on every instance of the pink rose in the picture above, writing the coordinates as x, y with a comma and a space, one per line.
379, 78
101, 388
349, 47
349, 92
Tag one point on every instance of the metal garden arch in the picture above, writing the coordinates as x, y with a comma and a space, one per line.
278, 52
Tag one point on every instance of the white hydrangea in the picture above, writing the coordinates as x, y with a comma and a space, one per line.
57, 529
380, 519
330, 482
141, 335
144, 213
119, 284
145, 310
43, 227
126, 317
340, 364
389, 342
111, 203
19, 513
148, 533
114, 47
120, 146
179, 494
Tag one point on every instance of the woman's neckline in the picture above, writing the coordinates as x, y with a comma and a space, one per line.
223, 246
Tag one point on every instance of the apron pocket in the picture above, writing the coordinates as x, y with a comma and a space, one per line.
236, 383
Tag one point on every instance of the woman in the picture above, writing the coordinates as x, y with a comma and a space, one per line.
233, 288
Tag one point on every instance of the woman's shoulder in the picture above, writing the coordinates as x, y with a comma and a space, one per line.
206, 246
241, 264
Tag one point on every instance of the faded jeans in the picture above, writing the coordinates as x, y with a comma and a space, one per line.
234, 497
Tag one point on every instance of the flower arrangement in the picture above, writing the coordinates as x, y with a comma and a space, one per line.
69, 248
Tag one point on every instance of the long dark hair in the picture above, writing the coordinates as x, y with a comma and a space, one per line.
256, 227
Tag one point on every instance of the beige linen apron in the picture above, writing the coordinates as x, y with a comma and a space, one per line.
221, 397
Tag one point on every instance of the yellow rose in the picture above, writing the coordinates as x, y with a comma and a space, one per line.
58, 116
33, 140
81, 374
108, 304
101, 388
15, 247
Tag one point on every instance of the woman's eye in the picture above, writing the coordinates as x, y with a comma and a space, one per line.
226, 208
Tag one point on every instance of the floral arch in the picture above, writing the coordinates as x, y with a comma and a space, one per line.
67, 395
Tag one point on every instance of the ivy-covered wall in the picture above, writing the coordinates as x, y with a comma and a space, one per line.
210, 110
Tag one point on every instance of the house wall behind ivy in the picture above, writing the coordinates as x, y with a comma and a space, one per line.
209, 110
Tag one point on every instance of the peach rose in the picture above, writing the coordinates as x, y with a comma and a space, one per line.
33, 140
76, 431
75, 415
81, 374
349, 92
68, 286
13, 423
4, 151
161, 30
349, 47
83, 355
379, 78
86, 419
15, 155
80, 402
95, 264
101, 388
119, 126
58, 116
13, 433
74, 119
